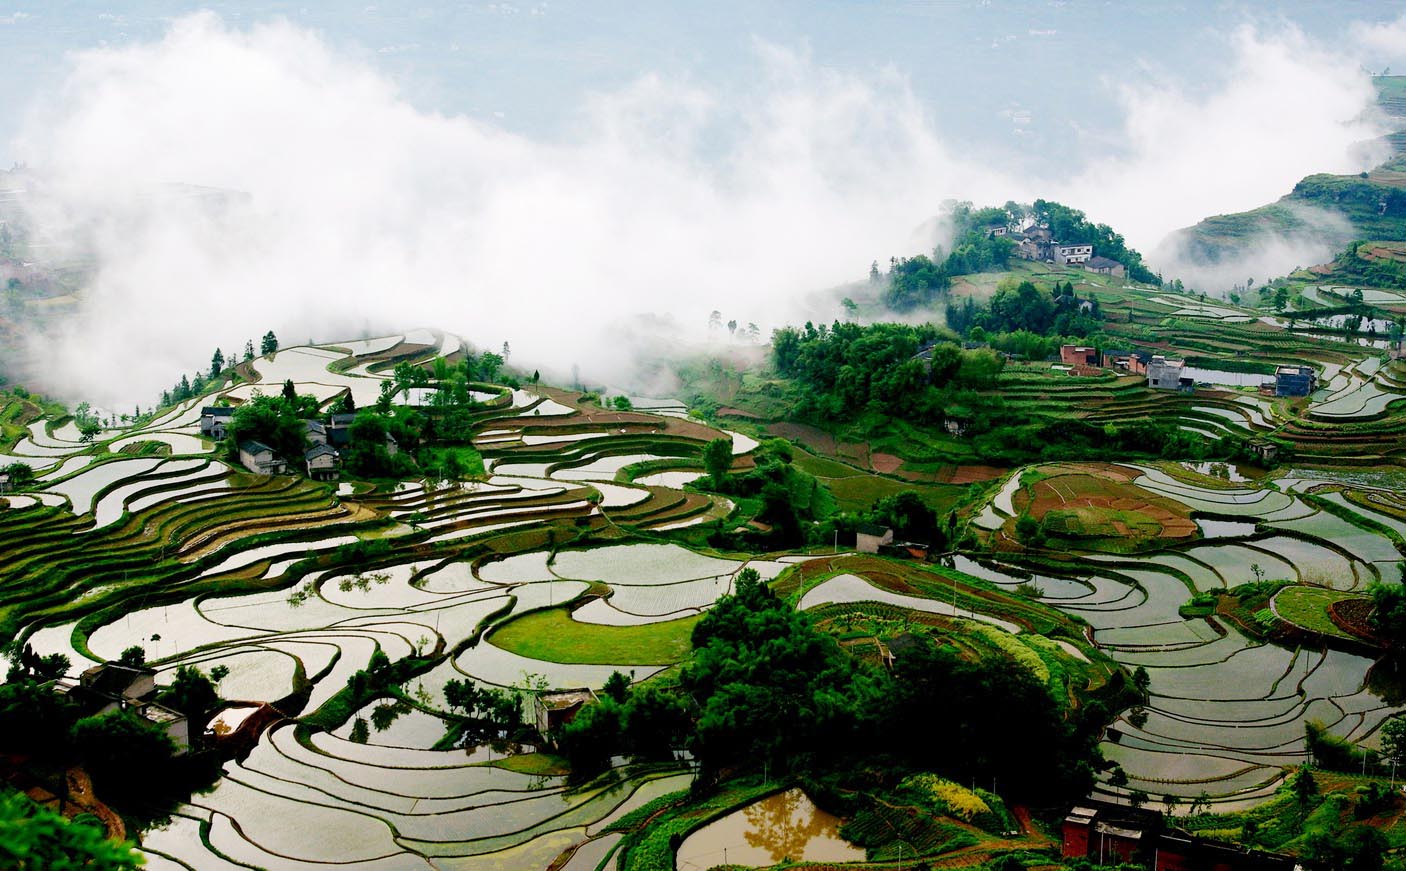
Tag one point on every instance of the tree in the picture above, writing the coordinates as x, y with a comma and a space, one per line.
360, 733
290, 391
1388, 615
249, 350
732, 327
488, 366
1304, 786
275, 421
219, 673
617, 686
769, 687
269, 344
134, 656
217, 364
1141, 680
20, 474
1394, 741
654, 722
34, 838
52, 666
1200, 804
1363, 848
124, 753
717, 459
34, 718
191, 693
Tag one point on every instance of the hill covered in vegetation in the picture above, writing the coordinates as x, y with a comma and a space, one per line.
1328, 209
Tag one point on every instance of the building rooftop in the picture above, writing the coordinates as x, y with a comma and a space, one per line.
1100, 262
565, 699
113, 679
319, 451
1120, 831
254, 447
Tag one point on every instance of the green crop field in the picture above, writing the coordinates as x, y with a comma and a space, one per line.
1308, 607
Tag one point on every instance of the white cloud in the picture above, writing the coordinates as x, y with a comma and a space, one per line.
1288, 109
362, 210
1381, 44
670, 199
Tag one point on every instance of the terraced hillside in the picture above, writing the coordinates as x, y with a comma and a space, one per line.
1227, 708
563, 564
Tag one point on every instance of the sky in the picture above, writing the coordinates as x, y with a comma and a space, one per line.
588, 179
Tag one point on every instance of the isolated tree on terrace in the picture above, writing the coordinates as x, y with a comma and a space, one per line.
191, 693
290, 392
507, 352
488, 366
717, 459
249, 350
269, 343
217, 363
732, 327
715, 321
1394, 741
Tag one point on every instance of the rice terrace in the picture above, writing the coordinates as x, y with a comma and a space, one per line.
694, 528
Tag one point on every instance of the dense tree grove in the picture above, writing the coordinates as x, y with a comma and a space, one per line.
790, 498
1024, 308
765, 688
913, 282
275, 421
847, 369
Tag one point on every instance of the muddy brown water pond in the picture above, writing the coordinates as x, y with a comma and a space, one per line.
783, 826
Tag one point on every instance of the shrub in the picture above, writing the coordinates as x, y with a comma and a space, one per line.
944, 796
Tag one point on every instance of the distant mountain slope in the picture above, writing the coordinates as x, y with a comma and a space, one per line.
1330, 210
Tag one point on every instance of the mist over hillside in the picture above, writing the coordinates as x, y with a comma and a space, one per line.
356, 212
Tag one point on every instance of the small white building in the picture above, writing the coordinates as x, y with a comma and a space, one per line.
214, 420
869, 537
1073, 253
323, 461
1164, 374
1105, 266
259, 458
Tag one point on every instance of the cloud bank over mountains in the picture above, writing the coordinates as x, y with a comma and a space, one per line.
357, 211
